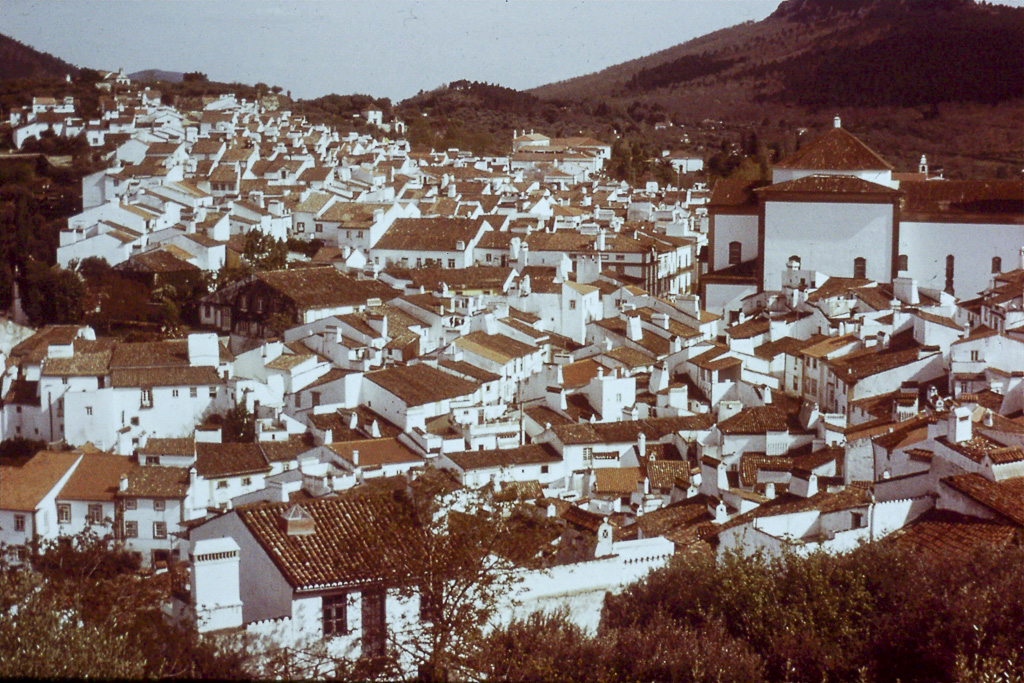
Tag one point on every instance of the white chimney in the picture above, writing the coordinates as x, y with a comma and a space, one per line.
203, 350
836, 123
215, 584
634, 330
355, 457
959, 426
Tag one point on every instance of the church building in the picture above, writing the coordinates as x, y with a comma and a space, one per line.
838, 208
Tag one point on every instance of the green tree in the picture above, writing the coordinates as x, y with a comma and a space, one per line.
52, 295
239, 425
264, 252
458, 559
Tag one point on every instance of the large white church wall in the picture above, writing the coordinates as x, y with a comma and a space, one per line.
827, 236
733, 228
972, 245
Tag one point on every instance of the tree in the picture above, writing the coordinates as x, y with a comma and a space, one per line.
52, 295
458, 562
83, 610
239, 425
264, 252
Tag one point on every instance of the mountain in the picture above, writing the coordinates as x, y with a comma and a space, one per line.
151, 75
826, 54
18, 60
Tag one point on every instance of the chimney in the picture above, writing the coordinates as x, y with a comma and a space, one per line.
836, 123
905, 290
633, 328
604, 540
355, 457
661, 320
297, 522
215, 584
353, 420
122, 485
600, 244
988, 421
641, 444
959, 427
922, 167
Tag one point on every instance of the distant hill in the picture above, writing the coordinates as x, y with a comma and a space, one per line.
18, 60
828, 53
151, 75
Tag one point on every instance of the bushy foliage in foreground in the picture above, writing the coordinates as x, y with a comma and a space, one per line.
877, 614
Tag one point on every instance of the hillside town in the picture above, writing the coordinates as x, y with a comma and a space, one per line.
830, 358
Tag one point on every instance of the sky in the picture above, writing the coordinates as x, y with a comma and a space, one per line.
384, 48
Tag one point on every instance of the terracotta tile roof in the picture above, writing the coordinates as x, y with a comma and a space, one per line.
340, 551
149, 354
159, 261
468, 370
1001, 200
375, 452
214, 460
496, 347
325, 287
531, 454
631, 358
788, 345
543, 415
788, 503
950, 533
22, 488
670, 520
420, 384
664, 474
491, 278
164, 377
836, 287
91, 358
286, 451
156, 482
830, 184
836, 150
97, 477
430, 234
183, 447
584, 519
782, 414
616, 481
623, 432
579, 374
1005, 497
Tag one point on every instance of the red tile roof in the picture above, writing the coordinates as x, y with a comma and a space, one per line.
836, 150
97, 477
21, 488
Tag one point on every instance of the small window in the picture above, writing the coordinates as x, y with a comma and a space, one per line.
572, 304
159, 529
152, 459
63, 513
543, 469
246, 481
159, 504
131, 529
193, 392
319, 227
135, 421
130, 504
997, 264
487, 258
451, 263
88, 410
901, 262
735, 253
223, 484
174, 393
213, 392
95, 514
335, 614
860, 267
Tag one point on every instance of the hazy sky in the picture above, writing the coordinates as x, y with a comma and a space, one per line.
386, 48
391, 48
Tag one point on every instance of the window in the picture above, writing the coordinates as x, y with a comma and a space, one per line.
63, 513
997, 264
487, 258
620, 257
335, 614
735, 253
135, 421
174, 393
159, 504
213, 392
572, 304
130, 504
588, 453
131, 529
795, 262
543, 469
860, 267
222, 484
95, 514
451, 263
314, 397
246, 481
159, 529
975, 355
147, 398
901, 262
319, 227
88, 410
950, 267
152, 459
374, 624
193, 392
429, 604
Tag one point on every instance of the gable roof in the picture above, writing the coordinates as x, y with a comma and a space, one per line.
421, 384
430, 234
531, 454
312, 288
97, 477
214, 460
21, 488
